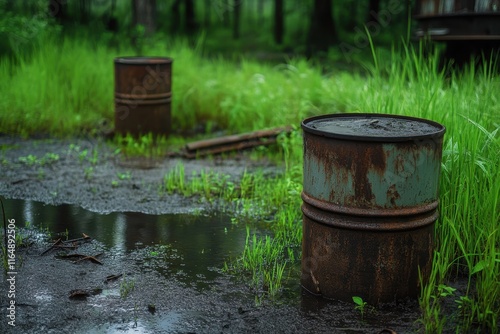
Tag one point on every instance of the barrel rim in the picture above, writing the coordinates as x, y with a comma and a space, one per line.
142, 102
143, 60
369, 212
440, 129
378, 224
136, 97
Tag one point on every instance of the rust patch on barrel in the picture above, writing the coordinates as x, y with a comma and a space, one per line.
392, 194
341, 158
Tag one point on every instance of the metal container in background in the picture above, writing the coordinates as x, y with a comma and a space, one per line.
370, 198
458, 20
143, 92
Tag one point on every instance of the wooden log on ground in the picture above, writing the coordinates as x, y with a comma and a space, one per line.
234, 142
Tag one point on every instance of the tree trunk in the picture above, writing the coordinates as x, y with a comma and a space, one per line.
85, 8
190, 17
9, 5
322, 33
236, 20
143, 13
176, 16
59, 10
278, 21
352, 18
260, 11
206, 12
373, 9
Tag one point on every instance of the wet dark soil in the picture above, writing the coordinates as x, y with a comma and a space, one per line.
167, 252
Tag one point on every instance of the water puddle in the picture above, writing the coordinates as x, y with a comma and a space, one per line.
169, 322
196, 245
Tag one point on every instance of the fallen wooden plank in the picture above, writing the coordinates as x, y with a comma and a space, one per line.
234, 142
232, 147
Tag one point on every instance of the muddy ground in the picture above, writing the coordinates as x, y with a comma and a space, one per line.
157, 303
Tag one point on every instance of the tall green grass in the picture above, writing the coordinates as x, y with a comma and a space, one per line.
468, 231
59, 90
66, 87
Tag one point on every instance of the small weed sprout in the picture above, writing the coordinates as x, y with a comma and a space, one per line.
28, 160
41, 174
95, 157
124, 176
49, 158
360, 305
24, 238
82, 155
89, 172
126, 287
31, 160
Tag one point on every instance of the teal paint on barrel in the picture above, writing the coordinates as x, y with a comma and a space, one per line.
370, 198
143, 93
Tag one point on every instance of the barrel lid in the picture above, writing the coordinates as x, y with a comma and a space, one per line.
142, 60
375, 127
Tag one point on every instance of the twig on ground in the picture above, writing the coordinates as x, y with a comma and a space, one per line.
58, 241
112, 278
90, 258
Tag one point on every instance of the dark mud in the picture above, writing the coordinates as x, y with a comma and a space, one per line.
169, 290
102, 181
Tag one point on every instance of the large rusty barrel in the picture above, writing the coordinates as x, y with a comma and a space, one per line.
143, 91
370, 198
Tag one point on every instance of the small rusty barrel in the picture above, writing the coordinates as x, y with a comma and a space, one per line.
143, 91
370, 198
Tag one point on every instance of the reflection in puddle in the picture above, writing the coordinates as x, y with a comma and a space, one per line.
168, 322
190, 247
109, 292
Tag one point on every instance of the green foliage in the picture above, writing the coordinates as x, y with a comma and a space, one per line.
127, 285
22, 30
467, 233
24, 237
264, 260
124, 176
89, 173
76, 94
144, 146
360, 305
47, 159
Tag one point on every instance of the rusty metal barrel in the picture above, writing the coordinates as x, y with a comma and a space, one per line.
143, 92
370, 198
